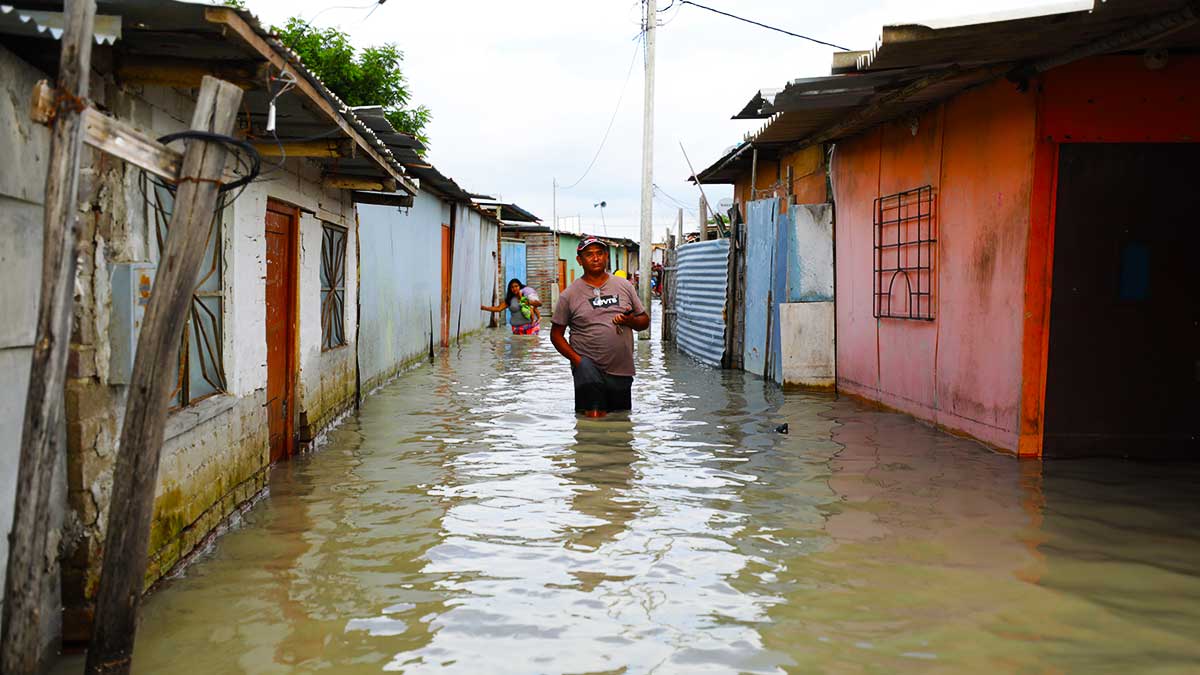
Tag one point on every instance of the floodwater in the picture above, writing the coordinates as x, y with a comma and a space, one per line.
465, 521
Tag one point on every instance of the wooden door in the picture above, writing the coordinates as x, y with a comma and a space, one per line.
447, 278
562, 275
281, 329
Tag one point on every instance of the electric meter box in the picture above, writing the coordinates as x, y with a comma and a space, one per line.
131, 284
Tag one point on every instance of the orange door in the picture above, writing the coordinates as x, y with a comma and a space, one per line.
562, 275
280, 282
447, 276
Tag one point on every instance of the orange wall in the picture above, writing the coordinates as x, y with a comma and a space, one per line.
962, 370
991, 156
808, 177
1107, 99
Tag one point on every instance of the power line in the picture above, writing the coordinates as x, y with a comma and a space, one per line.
677, 202
762, 25
616, 109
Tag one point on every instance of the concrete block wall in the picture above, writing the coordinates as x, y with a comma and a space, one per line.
216, 453
806, 331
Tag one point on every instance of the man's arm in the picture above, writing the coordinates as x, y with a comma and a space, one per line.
558, 338
634, 321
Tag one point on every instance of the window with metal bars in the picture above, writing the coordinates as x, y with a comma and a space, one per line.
905, 245
333, 287
201, 358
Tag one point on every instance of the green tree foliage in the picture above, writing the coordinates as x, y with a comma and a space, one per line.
371, 76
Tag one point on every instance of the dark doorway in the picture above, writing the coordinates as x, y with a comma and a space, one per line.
1123, 376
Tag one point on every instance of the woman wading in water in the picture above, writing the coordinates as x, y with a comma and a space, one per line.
522, 303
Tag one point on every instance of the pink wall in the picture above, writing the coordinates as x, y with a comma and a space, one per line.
963, 370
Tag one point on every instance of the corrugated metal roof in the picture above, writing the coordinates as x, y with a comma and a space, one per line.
406, 148
508, 211
1015, 40
195, 31
914, 66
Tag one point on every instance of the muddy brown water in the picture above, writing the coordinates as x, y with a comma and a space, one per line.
465, 521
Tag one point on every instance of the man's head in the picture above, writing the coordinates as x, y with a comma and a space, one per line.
592, 255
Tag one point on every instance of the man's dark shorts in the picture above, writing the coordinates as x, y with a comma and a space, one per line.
596, 390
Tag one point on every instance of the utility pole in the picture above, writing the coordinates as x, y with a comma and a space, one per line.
554, 204
647, 164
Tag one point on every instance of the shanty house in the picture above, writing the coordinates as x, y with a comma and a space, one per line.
268, 355
1013, 206
428, 263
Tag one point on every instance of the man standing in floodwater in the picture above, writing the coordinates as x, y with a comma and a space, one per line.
602, 312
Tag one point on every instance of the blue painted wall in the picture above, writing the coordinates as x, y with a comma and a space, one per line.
400, 265
515, 267
760, 249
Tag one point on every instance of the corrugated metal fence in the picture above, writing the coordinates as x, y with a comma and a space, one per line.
701, 284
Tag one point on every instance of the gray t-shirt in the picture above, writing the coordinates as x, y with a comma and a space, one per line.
588, 312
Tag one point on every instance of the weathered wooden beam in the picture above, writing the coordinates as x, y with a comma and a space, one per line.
30, 561
123, 572
119, 139
337, 181
332, 148
114, 137
188, 73
382, 199
246, 33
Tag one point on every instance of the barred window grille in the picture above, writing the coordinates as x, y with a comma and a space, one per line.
333, 287
201, 358
905, 245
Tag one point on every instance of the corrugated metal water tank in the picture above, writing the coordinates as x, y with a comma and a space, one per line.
702, 278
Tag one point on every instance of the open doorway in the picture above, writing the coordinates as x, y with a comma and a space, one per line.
1123, 373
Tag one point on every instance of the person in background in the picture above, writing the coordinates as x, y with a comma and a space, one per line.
602, 311
522, 303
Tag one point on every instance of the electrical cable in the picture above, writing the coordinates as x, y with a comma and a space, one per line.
762, 25
616, 109
678, 203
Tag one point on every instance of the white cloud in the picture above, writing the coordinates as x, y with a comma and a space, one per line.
522, 90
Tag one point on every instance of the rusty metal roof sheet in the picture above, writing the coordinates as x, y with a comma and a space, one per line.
1017, 39
914, 66
508, 211
193, 31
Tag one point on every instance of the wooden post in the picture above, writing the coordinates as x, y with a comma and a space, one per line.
20, 635
122, 575
732, 307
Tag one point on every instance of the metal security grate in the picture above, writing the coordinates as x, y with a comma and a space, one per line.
904, 249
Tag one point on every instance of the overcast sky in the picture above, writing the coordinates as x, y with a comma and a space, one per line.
522, 90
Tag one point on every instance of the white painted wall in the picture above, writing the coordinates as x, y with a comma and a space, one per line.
806, 329
474, 270
810, 253
401, 257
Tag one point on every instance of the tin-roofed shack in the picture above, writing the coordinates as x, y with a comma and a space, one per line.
268, 358
428, 262
1012, 198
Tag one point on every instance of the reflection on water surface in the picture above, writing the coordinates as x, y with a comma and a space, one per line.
466, 521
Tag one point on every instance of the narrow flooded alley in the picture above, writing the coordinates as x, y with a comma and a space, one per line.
466, 521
